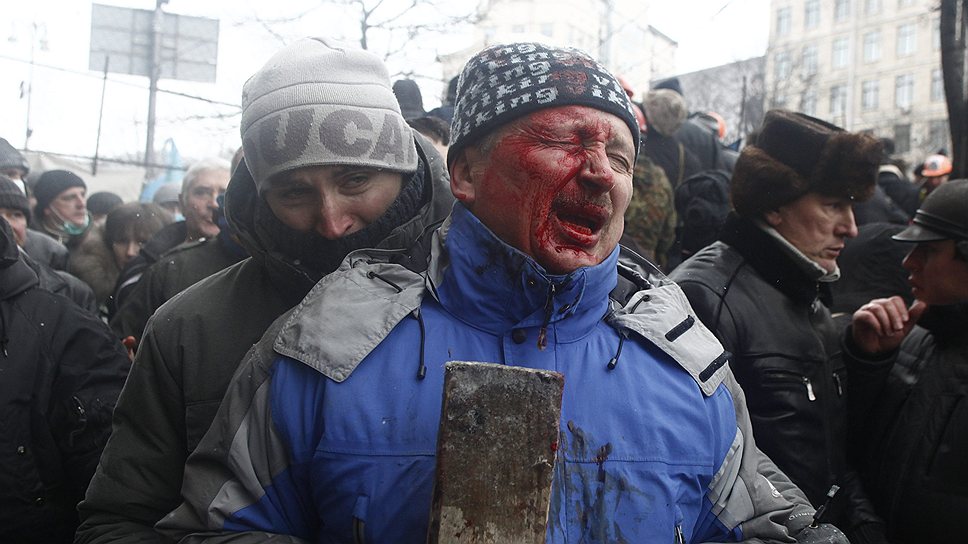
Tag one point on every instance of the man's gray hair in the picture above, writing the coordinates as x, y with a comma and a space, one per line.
203, 166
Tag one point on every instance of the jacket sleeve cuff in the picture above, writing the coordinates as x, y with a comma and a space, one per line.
869, 359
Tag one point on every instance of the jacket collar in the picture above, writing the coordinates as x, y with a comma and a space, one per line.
947, 323
495, 287
771, 261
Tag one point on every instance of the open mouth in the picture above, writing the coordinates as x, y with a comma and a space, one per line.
583, 221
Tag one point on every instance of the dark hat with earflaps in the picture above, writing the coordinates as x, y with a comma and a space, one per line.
796, 154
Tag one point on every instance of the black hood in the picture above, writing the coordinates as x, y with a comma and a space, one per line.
15, 275
241, 201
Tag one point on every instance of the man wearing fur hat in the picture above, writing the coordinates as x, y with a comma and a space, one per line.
330, 167
763, 289
328, 441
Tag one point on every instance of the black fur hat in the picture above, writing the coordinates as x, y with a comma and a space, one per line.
796, 154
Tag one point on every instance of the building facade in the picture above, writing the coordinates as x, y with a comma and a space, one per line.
735, 91
866, 65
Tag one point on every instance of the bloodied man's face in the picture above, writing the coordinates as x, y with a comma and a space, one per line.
554, 184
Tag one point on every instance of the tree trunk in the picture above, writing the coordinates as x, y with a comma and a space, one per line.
953, 26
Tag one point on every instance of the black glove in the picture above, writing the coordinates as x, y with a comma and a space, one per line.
823, 533
868, 533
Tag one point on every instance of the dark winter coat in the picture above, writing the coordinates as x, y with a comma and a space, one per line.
189, 351
675, 159
62, 371
44, 249
879, 208
911, 429
177, 269
906, 195
767, 311
62, 283
703, 144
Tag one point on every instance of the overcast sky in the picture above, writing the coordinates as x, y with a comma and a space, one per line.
66, 97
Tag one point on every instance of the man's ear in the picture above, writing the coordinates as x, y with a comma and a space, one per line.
773, 217
462, 175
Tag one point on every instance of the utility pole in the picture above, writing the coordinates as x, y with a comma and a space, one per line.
154, 71
38, 32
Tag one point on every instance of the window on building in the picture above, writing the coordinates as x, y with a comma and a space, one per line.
936, 34
783, 65
548, 29
872, 46
808, 103
937, 85
810, 60
840, 55
838, 100
783, 16
811, 14
869, 95
872, 7
938, 134
906, 35
902, 138
904, 91
904, 3
841, 10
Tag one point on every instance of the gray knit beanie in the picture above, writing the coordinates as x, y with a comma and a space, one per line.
319, 103
505, 82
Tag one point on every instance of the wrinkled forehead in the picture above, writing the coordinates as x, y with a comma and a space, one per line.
72, 192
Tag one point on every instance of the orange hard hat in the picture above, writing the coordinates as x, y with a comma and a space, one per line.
720, 123
936, 165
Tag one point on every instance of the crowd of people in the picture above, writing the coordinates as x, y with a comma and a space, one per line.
765, 344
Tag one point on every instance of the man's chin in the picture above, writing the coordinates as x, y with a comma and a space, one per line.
566, 260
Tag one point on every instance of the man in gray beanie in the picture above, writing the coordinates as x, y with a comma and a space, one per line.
330, 168
334, 441
763, 289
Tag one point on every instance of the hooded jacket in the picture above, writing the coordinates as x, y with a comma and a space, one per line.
911, 428
187, 356
62, 371
336, 441
772, 316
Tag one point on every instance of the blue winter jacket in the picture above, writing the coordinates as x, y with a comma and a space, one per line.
330, 435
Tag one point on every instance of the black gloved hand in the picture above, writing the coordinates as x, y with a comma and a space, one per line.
823, 533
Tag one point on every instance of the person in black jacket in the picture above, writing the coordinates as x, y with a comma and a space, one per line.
763, 290
62, 372
908, 375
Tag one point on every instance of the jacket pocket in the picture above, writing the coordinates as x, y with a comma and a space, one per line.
786, 377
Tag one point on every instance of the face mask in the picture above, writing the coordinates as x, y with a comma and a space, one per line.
74, 230
179, 217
